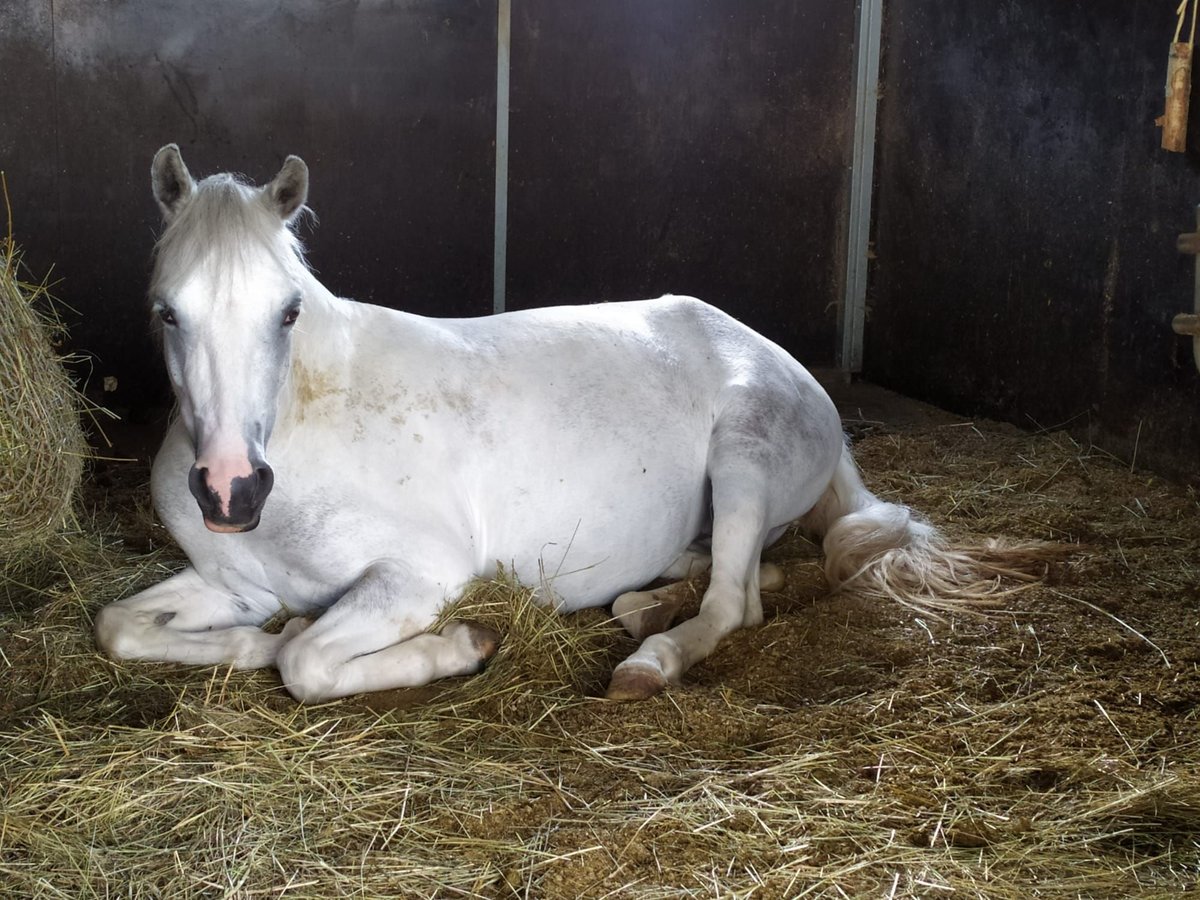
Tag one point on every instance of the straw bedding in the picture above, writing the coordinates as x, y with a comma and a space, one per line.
845, 749
42, 447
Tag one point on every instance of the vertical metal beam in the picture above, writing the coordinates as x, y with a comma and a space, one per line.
852, 313
500, 242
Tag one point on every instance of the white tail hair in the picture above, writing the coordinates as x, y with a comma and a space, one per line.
883, 549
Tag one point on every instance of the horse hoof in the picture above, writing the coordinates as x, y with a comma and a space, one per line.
634, 682
770, 578
484, 640
644, 613
294, 626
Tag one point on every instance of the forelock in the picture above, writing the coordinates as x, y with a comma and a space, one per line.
219, 225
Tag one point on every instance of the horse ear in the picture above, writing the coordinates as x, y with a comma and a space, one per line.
287, 193
172, 183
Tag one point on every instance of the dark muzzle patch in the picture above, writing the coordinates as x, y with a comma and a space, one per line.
247, 495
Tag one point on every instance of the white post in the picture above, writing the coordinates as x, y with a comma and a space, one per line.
852, 313
500, 243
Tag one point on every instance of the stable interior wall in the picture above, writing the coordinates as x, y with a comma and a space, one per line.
696, 147
1026, 222
693, 148
391, 106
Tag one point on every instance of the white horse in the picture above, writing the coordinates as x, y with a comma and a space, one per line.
589, 448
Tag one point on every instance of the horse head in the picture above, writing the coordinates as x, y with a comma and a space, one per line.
227, 289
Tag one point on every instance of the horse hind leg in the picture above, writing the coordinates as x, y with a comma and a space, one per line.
731, 601
643, 613
653, 611
697, 559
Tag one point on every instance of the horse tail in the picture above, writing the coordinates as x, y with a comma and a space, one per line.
885, 550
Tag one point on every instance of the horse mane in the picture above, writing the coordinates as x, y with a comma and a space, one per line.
223, 219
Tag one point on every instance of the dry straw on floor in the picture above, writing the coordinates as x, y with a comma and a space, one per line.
42, 447
844, 749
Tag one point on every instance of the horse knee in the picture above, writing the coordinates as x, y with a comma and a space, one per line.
114, 636
305, 673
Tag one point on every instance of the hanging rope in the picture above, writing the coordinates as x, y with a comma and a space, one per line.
1181, 12
1179, 82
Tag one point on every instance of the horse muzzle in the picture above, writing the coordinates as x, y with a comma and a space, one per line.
231, 504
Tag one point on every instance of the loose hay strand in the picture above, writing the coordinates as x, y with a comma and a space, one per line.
1092, 606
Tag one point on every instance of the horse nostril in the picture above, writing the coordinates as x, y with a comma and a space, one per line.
266, 479
198, 483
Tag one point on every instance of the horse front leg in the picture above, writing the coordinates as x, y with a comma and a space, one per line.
184, 619
376, 638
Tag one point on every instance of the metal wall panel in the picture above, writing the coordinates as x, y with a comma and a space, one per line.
1027, 218
391, 105
699, 147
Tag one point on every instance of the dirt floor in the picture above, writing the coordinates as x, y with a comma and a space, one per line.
844, 749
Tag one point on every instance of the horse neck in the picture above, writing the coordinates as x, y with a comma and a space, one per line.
328, 348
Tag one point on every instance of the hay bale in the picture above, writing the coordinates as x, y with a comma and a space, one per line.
42, 446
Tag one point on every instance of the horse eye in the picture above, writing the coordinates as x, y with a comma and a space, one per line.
166, 315
290, 317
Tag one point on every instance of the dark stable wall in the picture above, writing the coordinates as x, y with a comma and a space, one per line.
1026, 221
391, 105
694, 147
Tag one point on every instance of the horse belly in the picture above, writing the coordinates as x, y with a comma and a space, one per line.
603, 530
